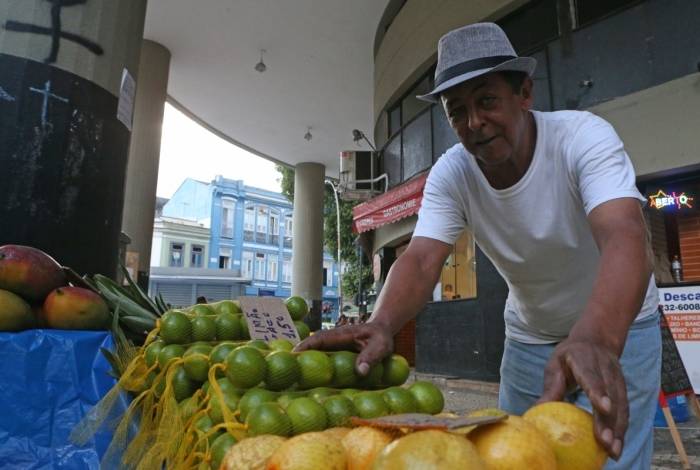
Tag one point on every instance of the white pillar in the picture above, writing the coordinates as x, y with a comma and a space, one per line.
144, 154
307, 257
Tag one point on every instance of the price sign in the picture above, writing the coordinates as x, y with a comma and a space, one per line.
268, 319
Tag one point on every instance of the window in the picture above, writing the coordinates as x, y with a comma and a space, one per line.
458, 278
288, 234
272, 270
287, 271
274, 227
260, 266
261, 225
227, 211
197, 256
590, 11
247, 265
176, 254
327, 274
225, 258
249, 223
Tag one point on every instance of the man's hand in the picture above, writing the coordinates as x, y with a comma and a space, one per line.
373, 340
595, 369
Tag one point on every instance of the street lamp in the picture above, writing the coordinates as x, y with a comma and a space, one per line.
340, 267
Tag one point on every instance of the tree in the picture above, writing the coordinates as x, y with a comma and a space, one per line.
348, 250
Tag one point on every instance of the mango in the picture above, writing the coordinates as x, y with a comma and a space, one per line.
15, 313
75, 308
29, 272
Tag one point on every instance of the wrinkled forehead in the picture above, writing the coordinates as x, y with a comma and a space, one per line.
465, 89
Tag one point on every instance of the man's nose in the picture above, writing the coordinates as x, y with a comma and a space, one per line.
474, 120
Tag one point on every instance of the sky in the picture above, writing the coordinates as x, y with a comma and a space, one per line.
189, 150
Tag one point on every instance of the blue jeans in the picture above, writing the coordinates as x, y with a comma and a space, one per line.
522, 376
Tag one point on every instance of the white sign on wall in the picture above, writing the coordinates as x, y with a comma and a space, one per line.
681, 306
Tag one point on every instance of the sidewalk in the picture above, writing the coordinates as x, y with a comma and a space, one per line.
462, 396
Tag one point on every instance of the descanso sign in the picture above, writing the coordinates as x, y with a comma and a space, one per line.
681, 297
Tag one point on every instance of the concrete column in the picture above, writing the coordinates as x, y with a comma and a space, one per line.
144, 154
63, 152
307, 254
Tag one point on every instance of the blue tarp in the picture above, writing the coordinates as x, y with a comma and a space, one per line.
49, 380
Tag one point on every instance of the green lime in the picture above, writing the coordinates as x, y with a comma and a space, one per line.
321, 393
306, 415
283, 370
219, 447
227, 327
400, 400
203, 425
224, 384
258, 343
152, 350
230, 400
245, 367
254, 398
197, 362
220, 352
316, 369
169, 352
183, 386
188, 407
344, 369
370, 405
339, 409
284, 400
202, 309
245, 333
297, 307
268, 418
350, 392
428, 397
396, 370
175, 327
281, 345
203, 328
373, 379
303, 329
226, 307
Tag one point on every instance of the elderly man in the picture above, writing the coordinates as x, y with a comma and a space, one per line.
551, 200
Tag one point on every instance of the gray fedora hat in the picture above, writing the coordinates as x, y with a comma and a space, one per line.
471, 51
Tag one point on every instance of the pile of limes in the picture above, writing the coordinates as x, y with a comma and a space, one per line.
207, 385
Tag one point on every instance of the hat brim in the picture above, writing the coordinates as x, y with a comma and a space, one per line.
518, 64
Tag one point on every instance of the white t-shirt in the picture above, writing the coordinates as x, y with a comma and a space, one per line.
536, 232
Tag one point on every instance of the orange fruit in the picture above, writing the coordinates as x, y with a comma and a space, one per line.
362, 445
569, 430
431, 450
338, 433
251, 453
309, 451
316, 369
513, 444
428, 397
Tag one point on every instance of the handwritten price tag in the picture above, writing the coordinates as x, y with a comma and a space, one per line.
268, 319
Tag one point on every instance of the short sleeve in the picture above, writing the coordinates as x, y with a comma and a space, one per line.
602, 169
441, 215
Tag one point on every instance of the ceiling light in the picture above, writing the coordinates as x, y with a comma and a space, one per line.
260, 66
308, 135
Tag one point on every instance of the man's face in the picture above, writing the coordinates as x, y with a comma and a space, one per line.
489, 117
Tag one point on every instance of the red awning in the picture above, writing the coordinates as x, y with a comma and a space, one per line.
396, 204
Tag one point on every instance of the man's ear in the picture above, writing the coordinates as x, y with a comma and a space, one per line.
526, 92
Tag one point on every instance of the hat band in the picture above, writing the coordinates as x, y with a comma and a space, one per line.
470, 66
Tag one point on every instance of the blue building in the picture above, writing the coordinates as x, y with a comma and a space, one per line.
250, 234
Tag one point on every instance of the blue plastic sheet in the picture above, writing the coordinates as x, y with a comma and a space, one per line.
49, 380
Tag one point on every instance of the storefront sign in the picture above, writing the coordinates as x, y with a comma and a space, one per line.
661, 200
394, 205
681, 305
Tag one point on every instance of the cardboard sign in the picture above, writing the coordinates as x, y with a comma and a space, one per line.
268, 319
681, 307
420, 421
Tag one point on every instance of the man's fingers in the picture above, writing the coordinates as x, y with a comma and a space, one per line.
373, 352
337, 338
554, 382
590, 379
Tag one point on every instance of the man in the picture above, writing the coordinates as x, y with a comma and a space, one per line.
551, 200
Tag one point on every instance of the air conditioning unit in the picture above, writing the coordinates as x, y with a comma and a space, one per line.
358, 176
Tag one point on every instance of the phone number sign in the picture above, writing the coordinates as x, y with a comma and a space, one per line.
681, 306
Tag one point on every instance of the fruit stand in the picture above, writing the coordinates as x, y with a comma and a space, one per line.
220, 386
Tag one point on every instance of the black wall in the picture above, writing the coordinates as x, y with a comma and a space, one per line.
464, 338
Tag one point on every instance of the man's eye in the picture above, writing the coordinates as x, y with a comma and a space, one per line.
488, 101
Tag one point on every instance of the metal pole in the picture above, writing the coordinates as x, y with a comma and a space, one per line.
340, 266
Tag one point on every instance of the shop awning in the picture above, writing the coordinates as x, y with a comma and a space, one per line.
396, 204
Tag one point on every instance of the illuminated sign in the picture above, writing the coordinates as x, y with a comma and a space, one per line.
661, 200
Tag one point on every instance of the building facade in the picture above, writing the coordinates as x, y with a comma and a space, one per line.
248, 235
632, 62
